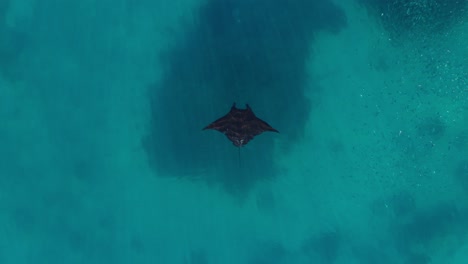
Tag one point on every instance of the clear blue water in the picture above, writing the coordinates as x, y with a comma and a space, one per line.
103, 158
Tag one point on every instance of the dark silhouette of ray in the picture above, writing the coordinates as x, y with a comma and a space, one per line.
240, 125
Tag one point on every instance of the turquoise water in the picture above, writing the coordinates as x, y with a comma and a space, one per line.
103, 157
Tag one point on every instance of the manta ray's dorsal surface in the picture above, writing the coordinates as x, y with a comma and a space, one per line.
240, 125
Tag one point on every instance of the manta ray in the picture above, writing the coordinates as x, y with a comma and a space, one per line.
240, 125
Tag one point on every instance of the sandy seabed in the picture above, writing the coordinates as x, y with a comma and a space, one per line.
379, 175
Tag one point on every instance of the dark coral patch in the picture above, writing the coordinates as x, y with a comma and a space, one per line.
461, 174
433, 128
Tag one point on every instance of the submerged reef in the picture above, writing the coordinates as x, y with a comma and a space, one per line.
461, 174
324, 246
235, 51
428, 227
12, 43
432, 128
